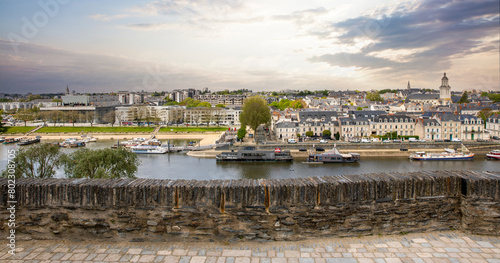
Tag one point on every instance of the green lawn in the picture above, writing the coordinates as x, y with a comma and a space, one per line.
95, 129
16, 129
192, 129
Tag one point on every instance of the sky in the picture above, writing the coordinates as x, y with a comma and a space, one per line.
261, 45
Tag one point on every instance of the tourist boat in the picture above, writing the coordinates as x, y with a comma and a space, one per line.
447, 155
72, 143
2, 139
11, 140
250, 154
27, 141
332, 156
148, 149
495, 154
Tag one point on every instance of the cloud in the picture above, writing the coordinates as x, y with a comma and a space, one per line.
442, 30
101, 17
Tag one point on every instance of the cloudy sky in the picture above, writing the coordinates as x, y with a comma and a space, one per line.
101, 46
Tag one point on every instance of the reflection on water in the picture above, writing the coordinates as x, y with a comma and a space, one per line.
181, 166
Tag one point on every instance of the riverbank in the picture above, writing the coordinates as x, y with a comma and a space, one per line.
363, 152
205, 138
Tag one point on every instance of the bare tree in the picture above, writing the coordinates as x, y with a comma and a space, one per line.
109, 117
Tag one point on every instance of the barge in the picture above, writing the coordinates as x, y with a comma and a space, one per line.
250, 154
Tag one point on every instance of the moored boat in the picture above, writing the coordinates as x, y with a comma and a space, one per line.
250, 154
495, 154
332, 156
72, 143
148, 149
11, 140
447, 155
28, 141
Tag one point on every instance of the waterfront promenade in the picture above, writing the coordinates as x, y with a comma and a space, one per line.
428, 247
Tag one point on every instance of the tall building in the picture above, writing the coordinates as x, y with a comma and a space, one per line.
444, 91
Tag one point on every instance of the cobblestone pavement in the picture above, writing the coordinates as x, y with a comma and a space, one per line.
419, 248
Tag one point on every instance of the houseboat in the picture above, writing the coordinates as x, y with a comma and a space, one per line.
447, 155
72, 143
250, 154
332, 156
495, 154
11, 140
148, 149
27, 141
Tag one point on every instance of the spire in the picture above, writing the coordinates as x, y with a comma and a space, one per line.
67, 89
408, 85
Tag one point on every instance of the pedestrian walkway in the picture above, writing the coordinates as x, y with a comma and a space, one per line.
419, 248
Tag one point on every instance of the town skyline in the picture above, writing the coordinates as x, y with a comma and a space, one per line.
260, 46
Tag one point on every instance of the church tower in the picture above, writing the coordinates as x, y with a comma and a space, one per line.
67, 90
444, 91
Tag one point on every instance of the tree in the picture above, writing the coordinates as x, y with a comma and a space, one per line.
375, 96
484, 114
220, 105
359, 108
309, 133
25, 115
464, 98
337, 136
101, 163
242, 132
255, 112
36, 161
327, 133
204, 104
109, 117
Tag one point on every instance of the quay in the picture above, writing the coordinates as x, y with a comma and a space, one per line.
436, 247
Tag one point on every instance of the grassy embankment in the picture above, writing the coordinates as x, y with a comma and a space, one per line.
95, 129
193, 129
23, 129
16, 129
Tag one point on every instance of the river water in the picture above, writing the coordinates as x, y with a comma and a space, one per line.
181, 166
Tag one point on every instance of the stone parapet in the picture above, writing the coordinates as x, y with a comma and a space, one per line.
262, 210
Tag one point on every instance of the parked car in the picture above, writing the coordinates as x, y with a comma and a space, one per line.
302, 150
323, 141
292, 141
386, 141
456, 140
318, 149
439, 140
495, 138
397, 140
364, 140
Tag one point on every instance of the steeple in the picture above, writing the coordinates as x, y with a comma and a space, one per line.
444, 81
408, 85
67, 89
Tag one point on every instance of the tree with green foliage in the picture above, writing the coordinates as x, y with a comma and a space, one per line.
337, 136
327, 133
25, 115
57, 100
101, 163
255, 112
484, 114
359, 108
35, 161
309, 133
297, 104
495, 97
242, 132
373, 96
220, 105
464, 98
204, 104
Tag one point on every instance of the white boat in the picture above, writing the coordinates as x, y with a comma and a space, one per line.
71, 143
447, 155
495, 154
148, 149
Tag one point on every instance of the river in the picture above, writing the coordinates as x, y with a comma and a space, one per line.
181, 166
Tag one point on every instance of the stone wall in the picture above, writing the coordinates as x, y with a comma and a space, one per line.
259, 210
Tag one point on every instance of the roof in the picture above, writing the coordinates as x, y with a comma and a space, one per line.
422, 97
